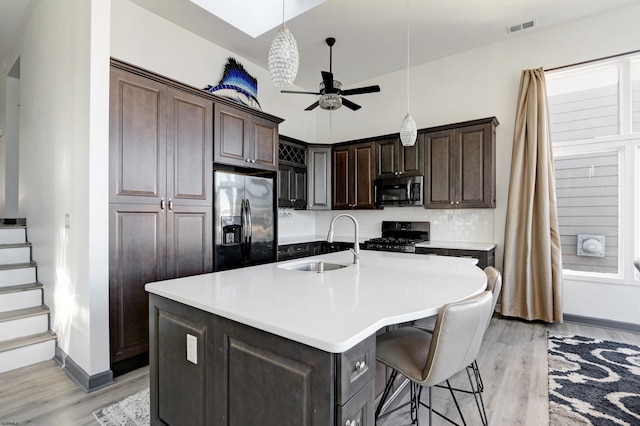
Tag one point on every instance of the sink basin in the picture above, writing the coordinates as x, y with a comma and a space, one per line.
313, 266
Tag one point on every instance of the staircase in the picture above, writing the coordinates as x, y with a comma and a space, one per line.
25, 335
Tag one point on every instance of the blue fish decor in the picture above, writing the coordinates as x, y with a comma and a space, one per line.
237, 84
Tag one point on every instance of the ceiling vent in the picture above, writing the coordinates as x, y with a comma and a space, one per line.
521, 27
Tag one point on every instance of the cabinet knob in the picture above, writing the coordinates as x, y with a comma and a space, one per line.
399, 173
452, 202
248, 160
253, 161
457, 202
360, 365
395, 173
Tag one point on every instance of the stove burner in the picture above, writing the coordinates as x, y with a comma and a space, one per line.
399, 236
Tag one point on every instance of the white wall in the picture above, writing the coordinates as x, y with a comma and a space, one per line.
63, 147
151, 42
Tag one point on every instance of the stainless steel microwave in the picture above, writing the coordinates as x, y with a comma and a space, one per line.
399, 191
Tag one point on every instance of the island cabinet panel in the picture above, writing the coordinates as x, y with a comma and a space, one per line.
245, 376
460, 165
394, 159
353, 176
161, 199
181, 390
244, 140
269, 380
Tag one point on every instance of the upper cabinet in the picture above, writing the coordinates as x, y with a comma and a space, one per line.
353, 176
459, 162
292, 174
245, 140
394, 159
319, 178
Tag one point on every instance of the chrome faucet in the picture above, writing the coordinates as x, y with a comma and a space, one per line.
356, 244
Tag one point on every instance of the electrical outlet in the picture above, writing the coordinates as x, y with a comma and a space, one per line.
66, 220
192, 349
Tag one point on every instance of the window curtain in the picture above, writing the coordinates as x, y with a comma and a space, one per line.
532, 272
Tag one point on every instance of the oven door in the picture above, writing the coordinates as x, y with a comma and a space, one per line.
403, 191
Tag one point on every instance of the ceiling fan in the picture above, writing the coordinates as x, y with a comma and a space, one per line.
331, 93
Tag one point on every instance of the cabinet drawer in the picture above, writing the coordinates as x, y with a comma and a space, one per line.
359, 411
355, 368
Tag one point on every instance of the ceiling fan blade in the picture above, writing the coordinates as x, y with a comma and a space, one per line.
302, 93
312, 106
327, 79
361, 90
350, 105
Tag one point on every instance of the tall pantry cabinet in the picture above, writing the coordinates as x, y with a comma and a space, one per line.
161, 200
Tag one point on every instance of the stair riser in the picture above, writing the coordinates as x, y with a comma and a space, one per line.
17, 276
23, 327
12, 236
28, 355
13, 255
20, 300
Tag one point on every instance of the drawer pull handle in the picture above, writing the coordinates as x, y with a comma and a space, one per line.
361, 365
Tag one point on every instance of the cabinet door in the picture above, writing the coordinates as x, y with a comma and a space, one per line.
341, 178
363, 176
319, 179
137, 133
189, 149
411, 157
438, 188
263, 144
137, 251
284, 186
189, 240
474, 167
387, 161
299, 185
230, 135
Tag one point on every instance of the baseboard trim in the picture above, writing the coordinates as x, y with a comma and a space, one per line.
598, 322
86, 382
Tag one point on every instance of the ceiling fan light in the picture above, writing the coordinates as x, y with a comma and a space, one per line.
283, 58
330, 101
408, 131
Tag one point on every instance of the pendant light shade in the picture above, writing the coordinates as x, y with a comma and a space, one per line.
408, 131
408, 128
283, 57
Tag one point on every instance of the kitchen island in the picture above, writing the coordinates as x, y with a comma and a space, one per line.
287, 346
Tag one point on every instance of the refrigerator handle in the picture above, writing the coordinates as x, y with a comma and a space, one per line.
243, 224
249, 228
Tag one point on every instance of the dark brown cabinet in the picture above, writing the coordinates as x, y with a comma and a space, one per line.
485, 257
460, 165
245, 140
292, 187
394, 159
161, 143
353, 176
242, 374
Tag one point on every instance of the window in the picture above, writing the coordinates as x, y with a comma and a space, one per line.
594, 113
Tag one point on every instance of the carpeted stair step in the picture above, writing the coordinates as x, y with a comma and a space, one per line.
23, 351
19, 273
20, 296
24, 322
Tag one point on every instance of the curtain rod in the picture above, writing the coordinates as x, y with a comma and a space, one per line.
592, 60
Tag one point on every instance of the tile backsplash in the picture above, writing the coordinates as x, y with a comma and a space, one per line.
470, 225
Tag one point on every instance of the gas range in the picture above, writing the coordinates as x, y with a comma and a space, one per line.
399, 236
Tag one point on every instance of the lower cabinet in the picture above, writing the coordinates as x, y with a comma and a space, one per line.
239, 375
485, 257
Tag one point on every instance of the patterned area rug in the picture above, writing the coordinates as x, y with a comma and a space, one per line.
593, 382
131, 411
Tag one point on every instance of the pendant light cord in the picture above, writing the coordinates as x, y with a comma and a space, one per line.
283, 1
408, 103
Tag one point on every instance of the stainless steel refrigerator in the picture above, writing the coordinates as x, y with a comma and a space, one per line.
244, 220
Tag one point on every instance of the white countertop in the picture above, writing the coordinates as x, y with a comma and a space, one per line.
334, 310
457, 245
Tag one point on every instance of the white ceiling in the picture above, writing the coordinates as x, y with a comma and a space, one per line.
370, 34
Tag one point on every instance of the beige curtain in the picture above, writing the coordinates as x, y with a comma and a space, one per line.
532, 272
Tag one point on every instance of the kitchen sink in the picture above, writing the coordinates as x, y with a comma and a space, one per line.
313, 266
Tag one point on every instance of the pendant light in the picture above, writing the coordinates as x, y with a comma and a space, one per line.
408, 128
283, 57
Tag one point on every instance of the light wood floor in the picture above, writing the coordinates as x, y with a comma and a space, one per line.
513, 361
